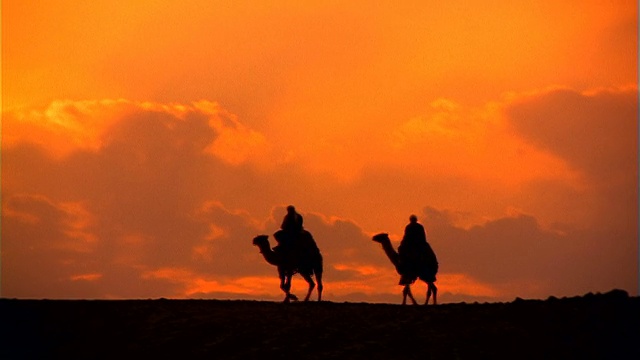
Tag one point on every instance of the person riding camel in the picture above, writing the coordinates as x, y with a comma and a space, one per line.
414, 248
290, 230
292, 222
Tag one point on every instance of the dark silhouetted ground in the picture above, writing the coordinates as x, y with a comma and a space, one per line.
605, 326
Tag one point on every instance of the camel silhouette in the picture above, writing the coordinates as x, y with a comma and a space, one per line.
410, 272
307, 262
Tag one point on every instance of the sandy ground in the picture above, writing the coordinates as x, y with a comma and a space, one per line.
605, 326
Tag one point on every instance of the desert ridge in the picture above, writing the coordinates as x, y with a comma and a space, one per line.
598, 325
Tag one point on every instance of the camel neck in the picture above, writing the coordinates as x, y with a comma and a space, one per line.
392, 254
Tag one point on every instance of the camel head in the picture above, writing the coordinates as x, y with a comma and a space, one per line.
261, 240
381, 238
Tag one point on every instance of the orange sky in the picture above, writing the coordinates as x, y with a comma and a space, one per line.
145, 143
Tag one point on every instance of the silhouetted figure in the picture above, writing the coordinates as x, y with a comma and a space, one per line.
414, 259
289, 232
308, 264
292, 221
414, 250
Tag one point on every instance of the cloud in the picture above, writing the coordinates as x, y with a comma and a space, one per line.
47, 247
136, 185
141, 207
144, 201
67, 126
63, 126
445, 121
595, 132
235, 142
122, 267
517, 255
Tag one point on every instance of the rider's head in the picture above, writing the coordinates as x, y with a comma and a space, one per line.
413, 218
291, 209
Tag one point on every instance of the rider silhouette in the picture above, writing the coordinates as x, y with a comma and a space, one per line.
290, 230
414, 238
414, 251
292, 222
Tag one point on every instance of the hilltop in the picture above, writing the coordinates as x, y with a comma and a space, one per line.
593, 326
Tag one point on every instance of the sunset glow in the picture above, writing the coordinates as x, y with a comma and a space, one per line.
145, 144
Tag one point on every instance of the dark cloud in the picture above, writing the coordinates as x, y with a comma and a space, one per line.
514, 251
595, 133
142, 188
42, 250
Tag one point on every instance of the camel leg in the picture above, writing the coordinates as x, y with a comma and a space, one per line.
312, 285
407, 292
320, 287
285, 285
435, 293
289, 294
431, 289
426, 302
282, 285
404, 295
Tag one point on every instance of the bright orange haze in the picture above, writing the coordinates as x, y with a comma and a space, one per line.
145, 143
